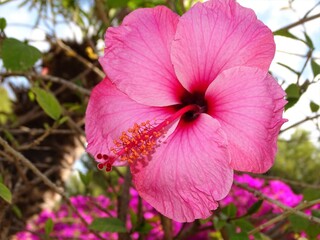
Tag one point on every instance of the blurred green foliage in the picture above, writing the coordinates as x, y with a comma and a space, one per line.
298, 158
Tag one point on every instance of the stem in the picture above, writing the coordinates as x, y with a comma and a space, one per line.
123, 203
167, 227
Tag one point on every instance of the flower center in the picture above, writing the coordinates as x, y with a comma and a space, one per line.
196, 98
140, 140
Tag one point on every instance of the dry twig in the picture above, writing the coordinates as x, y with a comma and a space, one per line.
19, 157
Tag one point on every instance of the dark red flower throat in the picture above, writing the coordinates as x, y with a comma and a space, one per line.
197, 99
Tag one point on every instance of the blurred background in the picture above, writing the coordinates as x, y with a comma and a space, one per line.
51, 189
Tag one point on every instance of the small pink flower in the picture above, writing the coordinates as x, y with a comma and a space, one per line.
187, 101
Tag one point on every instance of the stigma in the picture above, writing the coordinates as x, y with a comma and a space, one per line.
140, 141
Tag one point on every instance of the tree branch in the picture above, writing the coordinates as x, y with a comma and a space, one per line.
301, 21
50, 78
80, 58
18, 156
288, 210
291, 182
300, 122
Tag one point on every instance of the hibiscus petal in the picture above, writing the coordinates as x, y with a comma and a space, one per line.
137, 57
110, 112
248, 103
188, 174
217, 35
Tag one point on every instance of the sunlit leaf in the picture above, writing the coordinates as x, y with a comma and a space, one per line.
5, 106
5, 193
18, 56
48, 102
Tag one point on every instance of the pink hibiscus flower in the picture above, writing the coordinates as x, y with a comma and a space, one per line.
187, 101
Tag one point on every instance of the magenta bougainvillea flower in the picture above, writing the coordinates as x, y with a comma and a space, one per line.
187, 100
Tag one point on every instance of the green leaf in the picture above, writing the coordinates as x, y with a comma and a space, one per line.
18, 56
108, 225
5, 106
230, 210
5, 193
17, 211
310, 194
244, 224
309, 41
315, 68
145, 228
239, 236
48, 102
255, 207
291, 102
234, 235
293, 91
3, 24
117, 3
63, 120
133, 218
313, 231
298, 223
314, 107
315, 213
219, 223
86, 178
285, 33
48, 227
